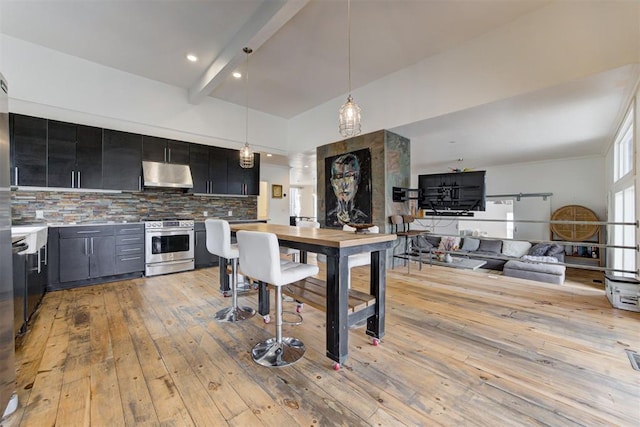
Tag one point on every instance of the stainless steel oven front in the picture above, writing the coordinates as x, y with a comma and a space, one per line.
169, 246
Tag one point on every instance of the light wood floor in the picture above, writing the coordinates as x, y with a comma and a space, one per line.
462, 348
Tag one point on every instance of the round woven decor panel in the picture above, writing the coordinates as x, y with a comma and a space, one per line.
574, 232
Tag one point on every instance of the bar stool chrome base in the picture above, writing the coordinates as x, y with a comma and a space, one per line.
291, 315
234, 314
272, 354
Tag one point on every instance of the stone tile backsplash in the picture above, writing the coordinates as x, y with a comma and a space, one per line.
61, 207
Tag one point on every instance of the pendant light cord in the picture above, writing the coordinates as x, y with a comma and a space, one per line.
349, 40
246, 135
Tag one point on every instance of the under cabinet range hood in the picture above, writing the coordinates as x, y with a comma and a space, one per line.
158, 174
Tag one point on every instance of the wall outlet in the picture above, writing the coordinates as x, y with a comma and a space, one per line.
205, 213
230, 213
39, 214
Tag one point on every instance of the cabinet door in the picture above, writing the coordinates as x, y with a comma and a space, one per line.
252, 177
241, 180
203, 258
154, 149
199, 165
74, 259
102, 258
121, 161
88, 157
218, 170
30, 151
178, 152
61, 160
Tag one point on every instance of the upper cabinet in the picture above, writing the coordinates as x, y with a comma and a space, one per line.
121, 161
163, 150
240, 180
217, 171
28, 150
74, 156
50, 153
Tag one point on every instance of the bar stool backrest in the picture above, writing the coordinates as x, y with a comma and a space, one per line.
219, 238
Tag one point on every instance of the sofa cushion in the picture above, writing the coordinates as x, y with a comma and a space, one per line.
422, 243
554, 249
491, 246
434, 240
515, 248
449, 243
539, 249
470, 244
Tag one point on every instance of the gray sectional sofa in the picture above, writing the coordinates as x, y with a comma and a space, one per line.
534, 261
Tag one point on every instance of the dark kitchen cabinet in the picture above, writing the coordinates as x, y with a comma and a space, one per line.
86, 252
74, 155
203, 258
208, 169
240, 180
121, 161
129, 248
28, 150
163, 150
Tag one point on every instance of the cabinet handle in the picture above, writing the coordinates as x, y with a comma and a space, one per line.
139, 182
73, 180
88, 232
86, 251
16, 175
79, 186
131, 238
92, 246
169, 150
130, 258
165, 154
46, 254
128, 250
39, 261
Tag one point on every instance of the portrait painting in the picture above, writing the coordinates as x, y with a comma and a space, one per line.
348, 188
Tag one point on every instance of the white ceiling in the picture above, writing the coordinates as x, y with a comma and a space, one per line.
300, 62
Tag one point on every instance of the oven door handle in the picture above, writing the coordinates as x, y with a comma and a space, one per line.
169, 231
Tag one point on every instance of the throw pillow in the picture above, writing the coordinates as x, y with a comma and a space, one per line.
554, 249
449, 243
533, 258
493, 246
434, 240
539, 249
515, 248
422, 243
470, 244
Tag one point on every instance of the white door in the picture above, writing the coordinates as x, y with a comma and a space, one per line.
531, 208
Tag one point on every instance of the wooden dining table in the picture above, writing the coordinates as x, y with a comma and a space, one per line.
337, 245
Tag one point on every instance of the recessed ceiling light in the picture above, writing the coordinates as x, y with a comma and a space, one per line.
191, 57
306, 166
236, 74
452, 142
269, 154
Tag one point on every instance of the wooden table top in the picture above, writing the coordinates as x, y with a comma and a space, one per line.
317, 236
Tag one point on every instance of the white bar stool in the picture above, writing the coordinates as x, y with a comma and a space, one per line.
219, 243
260, 260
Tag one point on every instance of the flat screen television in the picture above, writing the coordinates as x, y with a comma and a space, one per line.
453, 192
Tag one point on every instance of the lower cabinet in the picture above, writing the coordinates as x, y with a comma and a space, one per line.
203, 258
86, 257
129, 248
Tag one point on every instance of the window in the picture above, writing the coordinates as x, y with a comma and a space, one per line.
624, 235
294, 201
623, 147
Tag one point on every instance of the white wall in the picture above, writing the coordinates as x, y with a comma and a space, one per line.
306, 200
278, 208
572, 182
561, 42
51, 84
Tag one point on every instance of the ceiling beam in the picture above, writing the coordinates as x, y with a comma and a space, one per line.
265, 22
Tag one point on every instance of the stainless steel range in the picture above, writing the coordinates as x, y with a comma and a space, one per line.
168, 246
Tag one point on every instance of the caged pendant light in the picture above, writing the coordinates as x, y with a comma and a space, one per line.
349, 113
246, 154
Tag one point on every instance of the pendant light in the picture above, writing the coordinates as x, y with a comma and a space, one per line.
349, 113
246, 154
